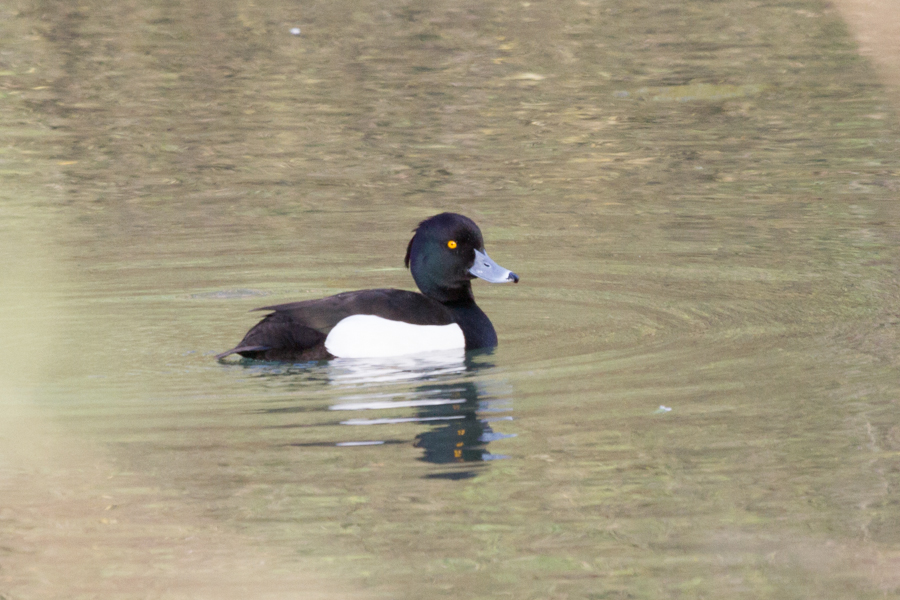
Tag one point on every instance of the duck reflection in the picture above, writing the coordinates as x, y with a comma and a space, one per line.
460, 432
466, 436
450, 396
458, 413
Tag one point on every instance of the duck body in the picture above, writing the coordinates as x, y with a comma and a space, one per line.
444, 255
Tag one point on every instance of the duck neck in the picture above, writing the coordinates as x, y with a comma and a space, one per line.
476, 327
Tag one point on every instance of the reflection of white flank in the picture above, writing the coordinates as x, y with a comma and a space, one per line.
400, 420
395, 369
416, 394
369, 336
372, 443
383, 405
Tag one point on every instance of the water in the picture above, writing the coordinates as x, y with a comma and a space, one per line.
701, 203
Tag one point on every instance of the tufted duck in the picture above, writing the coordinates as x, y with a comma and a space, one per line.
444, 255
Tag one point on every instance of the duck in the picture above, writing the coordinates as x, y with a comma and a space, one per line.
444, 256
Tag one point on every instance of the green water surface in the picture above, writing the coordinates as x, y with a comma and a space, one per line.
696, 389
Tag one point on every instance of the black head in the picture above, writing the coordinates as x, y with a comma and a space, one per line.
442, 258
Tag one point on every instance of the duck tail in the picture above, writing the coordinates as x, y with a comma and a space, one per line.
239, 349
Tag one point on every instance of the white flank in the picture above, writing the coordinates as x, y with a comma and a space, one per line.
368, 336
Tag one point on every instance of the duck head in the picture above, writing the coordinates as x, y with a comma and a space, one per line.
446, 254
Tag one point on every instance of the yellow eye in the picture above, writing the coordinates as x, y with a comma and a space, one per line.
451, 244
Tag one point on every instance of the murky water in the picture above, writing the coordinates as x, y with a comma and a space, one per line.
696, 389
